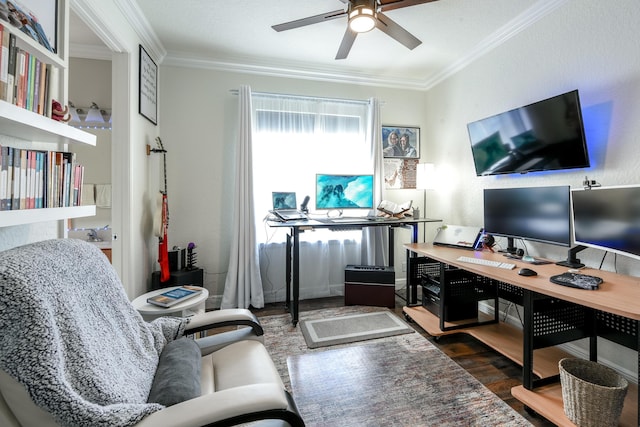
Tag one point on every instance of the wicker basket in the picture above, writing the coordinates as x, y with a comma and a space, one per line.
593, 394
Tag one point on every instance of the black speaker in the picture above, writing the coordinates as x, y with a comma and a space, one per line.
520, 252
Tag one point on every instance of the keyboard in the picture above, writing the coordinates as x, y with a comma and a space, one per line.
488, 263
575, 280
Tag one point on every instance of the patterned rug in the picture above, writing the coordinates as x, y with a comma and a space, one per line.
411, 382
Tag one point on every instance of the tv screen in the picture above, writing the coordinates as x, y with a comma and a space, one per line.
608, 218
541, 214
344, 191
546, 135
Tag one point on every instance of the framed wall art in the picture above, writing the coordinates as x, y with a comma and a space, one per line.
401, 141
148, 105
36, 18
400, 173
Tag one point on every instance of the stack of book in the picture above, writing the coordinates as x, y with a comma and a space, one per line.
24, 79
31, 179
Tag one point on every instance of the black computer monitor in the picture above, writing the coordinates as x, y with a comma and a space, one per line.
608, 218
540, 214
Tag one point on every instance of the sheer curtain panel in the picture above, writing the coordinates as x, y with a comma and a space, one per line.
243, 285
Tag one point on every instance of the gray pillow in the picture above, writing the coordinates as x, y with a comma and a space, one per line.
177, 377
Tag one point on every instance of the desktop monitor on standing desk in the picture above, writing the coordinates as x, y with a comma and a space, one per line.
339, 192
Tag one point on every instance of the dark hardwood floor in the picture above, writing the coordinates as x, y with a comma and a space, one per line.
492, 369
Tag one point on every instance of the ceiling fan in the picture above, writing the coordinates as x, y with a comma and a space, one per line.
363, 16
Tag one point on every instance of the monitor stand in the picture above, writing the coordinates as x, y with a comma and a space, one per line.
511, 247
572, 261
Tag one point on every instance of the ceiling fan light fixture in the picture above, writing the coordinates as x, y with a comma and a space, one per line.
362, 18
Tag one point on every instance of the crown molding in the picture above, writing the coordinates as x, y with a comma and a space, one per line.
143, 29
90, 12
236, 65
93, 18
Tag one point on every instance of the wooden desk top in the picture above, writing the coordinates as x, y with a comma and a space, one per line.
618, 294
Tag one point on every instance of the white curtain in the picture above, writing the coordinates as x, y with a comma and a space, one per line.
296, 138
375, 247
243, 285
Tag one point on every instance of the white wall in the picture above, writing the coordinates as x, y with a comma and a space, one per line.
198, 125
586, 45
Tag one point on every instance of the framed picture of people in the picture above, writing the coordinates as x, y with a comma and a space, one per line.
401, 141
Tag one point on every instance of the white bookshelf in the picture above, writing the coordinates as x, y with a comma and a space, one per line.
34, 129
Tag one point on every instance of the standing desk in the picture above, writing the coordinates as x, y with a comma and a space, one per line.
553, 314
293, 245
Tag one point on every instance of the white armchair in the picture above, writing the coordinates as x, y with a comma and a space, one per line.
74, 352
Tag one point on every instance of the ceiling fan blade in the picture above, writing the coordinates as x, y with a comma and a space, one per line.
398, 4
310, 20
347, 42
396, 32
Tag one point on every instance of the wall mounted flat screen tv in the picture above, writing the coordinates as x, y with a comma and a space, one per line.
344, 191
546, 135
541, 214
608, 218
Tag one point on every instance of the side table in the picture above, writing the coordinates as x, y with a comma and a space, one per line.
186, 308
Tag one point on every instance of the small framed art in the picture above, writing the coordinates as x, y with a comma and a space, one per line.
401, 141
36, 18
148, 106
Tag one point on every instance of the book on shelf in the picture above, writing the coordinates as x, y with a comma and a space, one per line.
174, 296
4, 61
33, 179
24, 78
11, 71
394, 209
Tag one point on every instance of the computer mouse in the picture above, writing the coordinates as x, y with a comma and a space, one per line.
527, 272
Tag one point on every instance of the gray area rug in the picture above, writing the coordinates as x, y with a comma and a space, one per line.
411, 382
352, 328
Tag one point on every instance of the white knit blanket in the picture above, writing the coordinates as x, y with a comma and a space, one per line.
70, 335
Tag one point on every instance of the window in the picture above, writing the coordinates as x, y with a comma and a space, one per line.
295, 138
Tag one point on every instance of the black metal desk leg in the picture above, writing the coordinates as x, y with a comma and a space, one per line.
411, 287
527, 351
296, 275
391, 246
287, 273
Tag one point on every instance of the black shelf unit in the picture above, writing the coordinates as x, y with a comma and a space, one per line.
449, 292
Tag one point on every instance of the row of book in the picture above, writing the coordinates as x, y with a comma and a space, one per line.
24, 79
32, 179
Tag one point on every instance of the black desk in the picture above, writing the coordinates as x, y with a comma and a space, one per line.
293, 246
